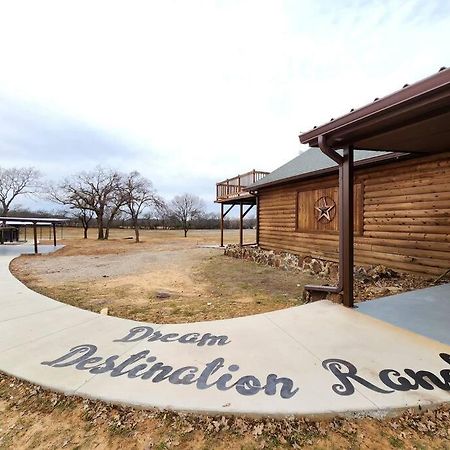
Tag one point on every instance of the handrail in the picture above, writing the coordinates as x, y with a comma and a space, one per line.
234, 187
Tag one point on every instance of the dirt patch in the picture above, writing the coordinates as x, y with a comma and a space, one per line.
167, 279
31, 417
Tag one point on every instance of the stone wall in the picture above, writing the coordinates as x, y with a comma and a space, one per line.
284, 260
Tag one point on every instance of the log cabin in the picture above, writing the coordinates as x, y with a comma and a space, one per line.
374, 187
401, 208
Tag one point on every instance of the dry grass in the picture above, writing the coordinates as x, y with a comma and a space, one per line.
127, 278
31, 417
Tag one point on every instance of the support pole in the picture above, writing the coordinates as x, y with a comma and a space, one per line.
221, 224
346, 213
257, 220
54, 234
241, 224
35, 238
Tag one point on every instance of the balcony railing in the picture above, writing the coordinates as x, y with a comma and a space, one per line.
234, 187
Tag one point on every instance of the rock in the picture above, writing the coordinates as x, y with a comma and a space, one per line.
104, 311
394, 289
162, 295
382, 272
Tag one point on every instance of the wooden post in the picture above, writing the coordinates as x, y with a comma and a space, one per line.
257, 220
54, 234
35, 238
241, 224
221, 224
346, 213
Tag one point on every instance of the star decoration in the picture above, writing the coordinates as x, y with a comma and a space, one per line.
324, 211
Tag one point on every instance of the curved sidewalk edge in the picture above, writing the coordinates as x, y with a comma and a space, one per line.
314, 359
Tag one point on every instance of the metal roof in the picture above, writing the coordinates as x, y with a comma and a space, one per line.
414, 119
312, 162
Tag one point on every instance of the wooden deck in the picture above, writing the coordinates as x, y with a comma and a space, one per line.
233, 189
232, 192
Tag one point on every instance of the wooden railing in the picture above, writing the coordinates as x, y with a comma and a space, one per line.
234, 187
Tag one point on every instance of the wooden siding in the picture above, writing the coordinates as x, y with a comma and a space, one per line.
308, 217
404, 216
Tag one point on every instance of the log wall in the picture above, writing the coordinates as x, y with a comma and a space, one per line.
404, 218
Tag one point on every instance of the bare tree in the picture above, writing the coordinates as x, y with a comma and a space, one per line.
186, 208
162, 213
85, 216
113, 208
79, 209
138, 194
97, 191
15, 182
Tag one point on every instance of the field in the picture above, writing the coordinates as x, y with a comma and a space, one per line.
168, 278
164, 279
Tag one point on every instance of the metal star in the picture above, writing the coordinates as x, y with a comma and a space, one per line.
325, 211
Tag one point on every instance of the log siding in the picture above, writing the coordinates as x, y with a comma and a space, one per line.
404, 218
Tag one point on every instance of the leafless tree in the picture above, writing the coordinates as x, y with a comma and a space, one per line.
85, 216
15, 182
78, 208
186, 208
98, 191
138, 194
162, 213
113, 208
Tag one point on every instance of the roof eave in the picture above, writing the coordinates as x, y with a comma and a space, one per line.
423, 98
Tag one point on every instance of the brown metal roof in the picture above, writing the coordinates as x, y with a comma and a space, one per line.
413, 119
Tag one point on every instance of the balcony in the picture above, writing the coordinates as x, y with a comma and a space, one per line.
234, 188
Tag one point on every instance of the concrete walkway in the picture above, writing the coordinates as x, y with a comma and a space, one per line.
425, 311
315, 359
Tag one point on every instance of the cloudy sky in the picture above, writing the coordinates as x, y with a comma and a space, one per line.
192, 92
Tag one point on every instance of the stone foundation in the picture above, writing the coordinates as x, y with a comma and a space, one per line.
284, 260
287, 261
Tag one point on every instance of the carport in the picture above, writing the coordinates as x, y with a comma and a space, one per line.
35, 222
415, 119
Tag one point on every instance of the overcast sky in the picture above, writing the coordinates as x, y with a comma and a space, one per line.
192, 92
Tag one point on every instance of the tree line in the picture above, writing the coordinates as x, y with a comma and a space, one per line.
107, 198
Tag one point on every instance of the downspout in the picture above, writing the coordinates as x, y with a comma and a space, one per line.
335, 156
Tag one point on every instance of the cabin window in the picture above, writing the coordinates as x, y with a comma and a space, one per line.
318, 210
